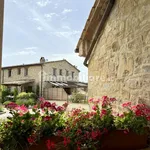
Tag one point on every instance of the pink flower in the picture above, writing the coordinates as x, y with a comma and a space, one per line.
41, 99
90, 100
128, 104
94, 108
22, 109
50, 145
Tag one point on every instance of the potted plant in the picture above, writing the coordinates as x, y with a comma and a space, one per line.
32, 129
14, 132
102, 128
51, 122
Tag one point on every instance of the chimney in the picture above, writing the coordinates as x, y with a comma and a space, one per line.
42, 60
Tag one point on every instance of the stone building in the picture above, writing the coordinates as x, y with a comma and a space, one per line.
53, 79
116, 45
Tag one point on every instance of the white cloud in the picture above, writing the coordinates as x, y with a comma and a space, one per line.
43, 3
24, 52
66, 27
66, 34
39, 28
36, 19
50, 15
30, 52
65, 11
31, 48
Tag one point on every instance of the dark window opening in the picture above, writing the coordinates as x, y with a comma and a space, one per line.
19, 71
9, 73
67, 73
54, 71
60, 72
26, 72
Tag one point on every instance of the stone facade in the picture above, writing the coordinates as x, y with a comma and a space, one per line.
40, 73
119, 65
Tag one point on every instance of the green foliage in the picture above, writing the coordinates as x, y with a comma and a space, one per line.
77, 97
26, 102
5, 92
1, 108
6, 103
17, 129
25, 95
15, 93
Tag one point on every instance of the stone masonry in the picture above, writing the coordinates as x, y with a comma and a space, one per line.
120, 62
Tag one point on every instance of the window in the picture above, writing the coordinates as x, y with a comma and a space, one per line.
9, 73
67, 73
54, 71
25, 71
72, 75
19, 71
60, 72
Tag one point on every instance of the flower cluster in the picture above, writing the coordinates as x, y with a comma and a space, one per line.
28, 126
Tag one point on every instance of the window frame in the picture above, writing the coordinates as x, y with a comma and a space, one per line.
26, 71
19, 71
60, 72
54, 71
9, 73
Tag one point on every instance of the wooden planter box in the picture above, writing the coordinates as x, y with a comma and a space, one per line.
118, 140
42, 144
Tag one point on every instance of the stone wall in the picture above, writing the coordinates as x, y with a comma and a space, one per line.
120, 63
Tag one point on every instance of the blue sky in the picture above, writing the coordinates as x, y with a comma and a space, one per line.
49, 28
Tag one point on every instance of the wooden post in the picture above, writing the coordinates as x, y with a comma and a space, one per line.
1, 36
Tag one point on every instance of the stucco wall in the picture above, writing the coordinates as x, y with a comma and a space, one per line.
48, 71
33, 73
120, 63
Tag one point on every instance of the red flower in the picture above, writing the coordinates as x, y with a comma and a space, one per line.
148, 118
66, 141
30, 140
94, 108
128, 104
112, 99
50, 145
91, 100
103, 112
78, 132
47, 104
47, 118
59, 108
94, 135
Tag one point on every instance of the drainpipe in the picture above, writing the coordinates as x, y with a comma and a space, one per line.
42, 80
100, 27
